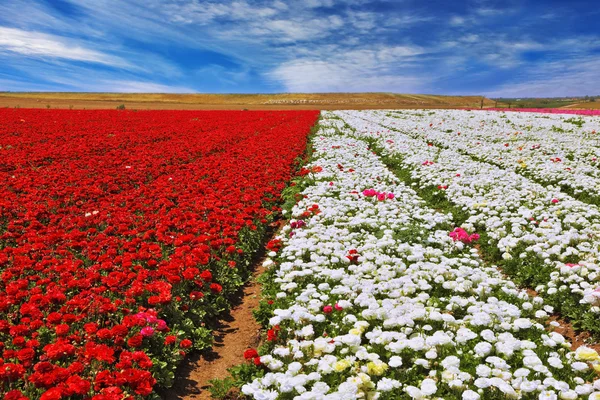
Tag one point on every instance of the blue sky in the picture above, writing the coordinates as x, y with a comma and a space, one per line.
497, 48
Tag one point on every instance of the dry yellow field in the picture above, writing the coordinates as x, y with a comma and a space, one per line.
594, 105
300, 101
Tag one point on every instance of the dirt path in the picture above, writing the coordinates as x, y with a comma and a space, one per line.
237, 332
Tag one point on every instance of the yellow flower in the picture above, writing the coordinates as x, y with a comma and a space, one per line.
341, 365
596, 368
365, 379
376, 367
586, 354
355, 332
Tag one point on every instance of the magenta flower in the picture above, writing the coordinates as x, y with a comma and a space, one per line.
147, 331
327, 309
369, 192
161, 325
460, 235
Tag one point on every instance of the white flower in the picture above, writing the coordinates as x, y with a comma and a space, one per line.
428, 387
470, 395
548, 395
395, 361
414, 392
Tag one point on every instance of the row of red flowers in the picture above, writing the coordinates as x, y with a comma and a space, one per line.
122, 235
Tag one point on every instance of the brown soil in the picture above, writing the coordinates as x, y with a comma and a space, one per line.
287, 101
566, 329
577, 339
237, 332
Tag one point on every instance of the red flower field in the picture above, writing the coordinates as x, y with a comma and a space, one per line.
122, 236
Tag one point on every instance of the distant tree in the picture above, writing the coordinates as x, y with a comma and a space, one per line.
121, 107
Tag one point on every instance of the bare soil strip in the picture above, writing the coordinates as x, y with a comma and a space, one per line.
237, 332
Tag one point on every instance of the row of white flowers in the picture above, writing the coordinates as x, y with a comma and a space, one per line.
544, 147
375, 300
529, 221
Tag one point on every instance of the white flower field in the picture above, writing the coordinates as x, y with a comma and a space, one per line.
429, 257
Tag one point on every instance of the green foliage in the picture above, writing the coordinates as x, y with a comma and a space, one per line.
527, 272
575, 121
121, 107
239, 376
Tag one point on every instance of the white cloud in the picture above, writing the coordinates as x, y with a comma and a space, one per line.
124, 86
572, 77
36, 44
343, 70
319, 3
457, 20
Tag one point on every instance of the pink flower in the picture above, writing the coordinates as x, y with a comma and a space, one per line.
555, 201
460, 235
369, 192
338, 307
147, 331
161, 325
327, 309
381, 196
474, 237
391, 196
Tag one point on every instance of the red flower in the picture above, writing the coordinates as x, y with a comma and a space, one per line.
206, 276
62, 330
327, 309
77, 385
196, 295
52, 394
191, 273
135, 341
250, 354
272, 333
11, 372
170, 340
15, 395
119, 222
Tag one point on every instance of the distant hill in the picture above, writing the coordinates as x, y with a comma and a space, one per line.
322, 101
586, 102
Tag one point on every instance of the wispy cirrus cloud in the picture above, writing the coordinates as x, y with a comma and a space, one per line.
263, 46
37, 44
555, 79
